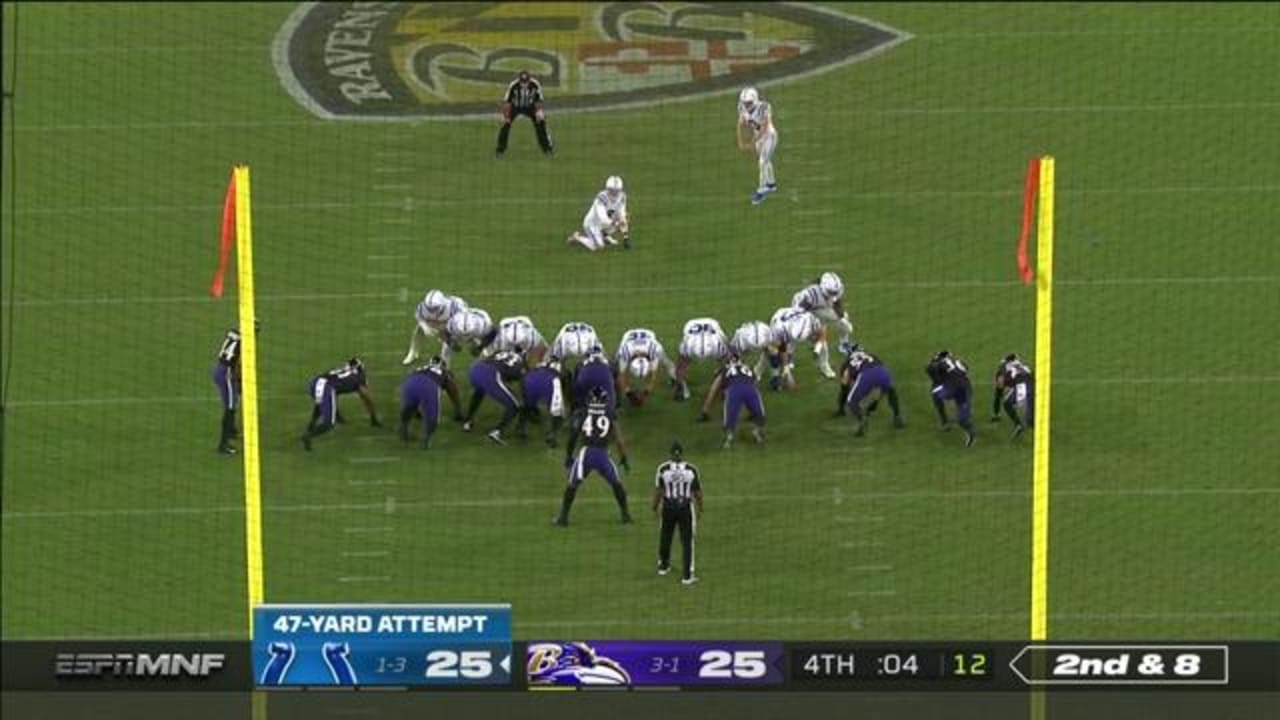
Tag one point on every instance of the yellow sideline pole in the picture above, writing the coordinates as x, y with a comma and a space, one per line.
249, 393
1043, 365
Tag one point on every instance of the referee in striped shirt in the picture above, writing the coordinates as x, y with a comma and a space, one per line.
677, 489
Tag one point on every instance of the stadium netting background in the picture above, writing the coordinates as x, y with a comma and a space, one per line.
901, 171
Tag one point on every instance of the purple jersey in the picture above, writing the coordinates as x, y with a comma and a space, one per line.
539, 386
740, 392
421, 391
593, 373
228, 383
489, 376
346, 379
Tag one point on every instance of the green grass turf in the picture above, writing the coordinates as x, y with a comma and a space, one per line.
120, 520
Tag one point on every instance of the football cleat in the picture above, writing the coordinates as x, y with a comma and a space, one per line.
757, 197
663, 569
226, 450
560, 521
771, 188
466, 426
1017, 431
757, 434
496, 436
306, 443
692, 579
969, 439
898, 423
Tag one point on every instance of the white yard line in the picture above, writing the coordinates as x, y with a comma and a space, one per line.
489, 503
1233, 281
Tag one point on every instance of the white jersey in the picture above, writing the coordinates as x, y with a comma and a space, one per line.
759, 118
439, 317
471, 324
813, 299
703, 340
751, 337
639, 342
608, 210
574, 340
517, 332
793, 325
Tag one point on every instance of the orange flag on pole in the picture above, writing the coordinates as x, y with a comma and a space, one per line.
228, 236
1028, 217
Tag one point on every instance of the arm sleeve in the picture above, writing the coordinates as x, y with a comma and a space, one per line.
657, 476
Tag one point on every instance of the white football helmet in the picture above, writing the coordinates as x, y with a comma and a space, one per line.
748, 97
436, 302
613, 183
831, 285
640, 367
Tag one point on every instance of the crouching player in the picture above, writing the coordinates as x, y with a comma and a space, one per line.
544, 386
863, 374
702, 340
470, 328
606, 220
596, 428
950, 377
595, 371
738, 383
489, 377
792, 326
1015, 391
516, 334
638, 358
825, 299
326, 388
752, 339
420, 397
430, 317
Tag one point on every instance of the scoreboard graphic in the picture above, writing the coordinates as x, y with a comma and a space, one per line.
654, 663
382, 645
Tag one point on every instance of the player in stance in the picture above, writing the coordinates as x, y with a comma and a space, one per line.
825, 299
491, 377
516, 334
738, 383
326, 388
596, 428
543, 385
226, 377
606, 220
863, 374
574, 340
950, 377
702, 340
638, 358
756, 130
792, 326
431, 316
752, 339
595, 371
420, 397
524, 97
468, 328
1015, 392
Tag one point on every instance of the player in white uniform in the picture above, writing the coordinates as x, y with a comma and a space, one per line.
792, 326
825, 299
752, 340
431, 316
470, 327
639, 356
606, 219
517, 332
702, 340
575, 340
756, 131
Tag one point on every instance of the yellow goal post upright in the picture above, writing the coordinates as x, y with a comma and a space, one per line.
249, 393
1043, 364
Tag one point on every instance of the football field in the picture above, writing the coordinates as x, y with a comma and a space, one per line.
900, 167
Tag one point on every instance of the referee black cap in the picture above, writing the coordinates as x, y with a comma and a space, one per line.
524, 76
676, 449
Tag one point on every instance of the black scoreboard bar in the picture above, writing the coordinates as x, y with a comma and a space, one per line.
592, 665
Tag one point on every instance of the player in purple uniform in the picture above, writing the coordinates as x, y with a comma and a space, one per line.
595, 371
490, 376
1015, 391
420, 397
326, 388
738, 382
863, 374
594, 424
543, 386
950, 377
226, 377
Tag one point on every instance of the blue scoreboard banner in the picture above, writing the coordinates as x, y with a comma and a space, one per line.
400, 645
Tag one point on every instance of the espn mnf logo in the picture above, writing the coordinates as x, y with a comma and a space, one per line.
138, 665
453, 60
